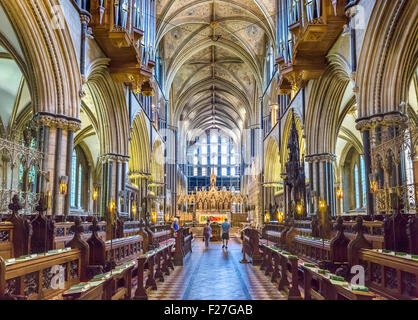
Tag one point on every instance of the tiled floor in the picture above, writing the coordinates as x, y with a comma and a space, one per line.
216, 274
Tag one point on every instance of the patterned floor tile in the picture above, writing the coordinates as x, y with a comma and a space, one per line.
216, 274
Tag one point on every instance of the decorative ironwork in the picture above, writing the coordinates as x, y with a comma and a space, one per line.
74, 269
409, 282
4, 236
59, 232
376, 273
12, 286
47, 276
30, 283
406, 195
390, 277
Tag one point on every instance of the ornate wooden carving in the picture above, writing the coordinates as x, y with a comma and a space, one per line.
395, 233
78, 243
412, 231
22, 232
338, 245
295, 175
42, 238
97, 253
358, 243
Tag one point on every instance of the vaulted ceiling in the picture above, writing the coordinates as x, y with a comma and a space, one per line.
213, 52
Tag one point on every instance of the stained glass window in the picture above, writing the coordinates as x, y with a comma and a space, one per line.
356, 185
363, 180
80, 175
73, 179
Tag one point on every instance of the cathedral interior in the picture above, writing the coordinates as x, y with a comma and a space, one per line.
127, 127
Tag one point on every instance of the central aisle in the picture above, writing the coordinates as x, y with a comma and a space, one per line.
216, 274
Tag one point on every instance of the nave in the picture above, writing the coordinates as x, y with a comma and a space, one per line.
127, 127
217, 274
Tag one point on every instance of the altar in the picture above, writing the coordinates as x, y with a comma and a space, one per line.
213, 204
212, 217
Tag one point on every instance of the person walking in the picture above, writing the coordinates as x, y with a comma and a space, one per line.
207, 233
225, 233
175, 225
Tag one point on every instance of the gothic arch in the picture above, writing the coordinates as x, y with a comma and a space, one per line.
108, 98
323, 109
388, 57
52, 66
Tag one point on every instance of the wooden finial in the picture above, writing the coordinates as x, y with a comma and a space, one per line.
95, 225
42, 206
77, 228
15, 205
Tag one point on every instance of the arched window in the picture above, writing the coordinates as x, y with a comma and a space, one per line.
356, 186
363, 180
79, 187
73, 179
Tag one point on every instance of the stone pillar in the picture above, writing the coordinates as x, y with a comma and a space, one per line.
57, 132
321, 173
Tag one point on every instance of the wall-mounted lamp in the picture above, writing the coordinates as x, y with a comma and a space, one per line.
373, 183
63, 185
134, 208
167, 217
154, 217
95, 192
267, 217
299, 208
112, 210
340, 194
280, 216
322, 204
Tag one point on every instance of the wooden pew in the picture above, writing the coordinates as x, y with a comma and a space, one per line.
251, 246
63, 233
105, 255
183, 245
275, 232
130, 228
373, 232
284, 271
32, 277
327, 287
20, 236
158, 234
113, 285
6, 240
393, 275
150, 259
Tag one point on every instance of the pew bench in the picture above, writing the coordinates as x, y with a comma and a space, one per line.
157, 261
394, 275
251, 246
123, 249
311, 249
63, 233
284, 268
113, 285
329, 286
35, 276
6, 240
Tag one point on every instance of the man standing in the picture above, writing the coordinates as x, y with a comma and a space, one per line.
225, 233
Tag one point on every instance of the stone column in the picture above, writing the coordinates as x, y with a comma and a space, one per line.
57, 132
